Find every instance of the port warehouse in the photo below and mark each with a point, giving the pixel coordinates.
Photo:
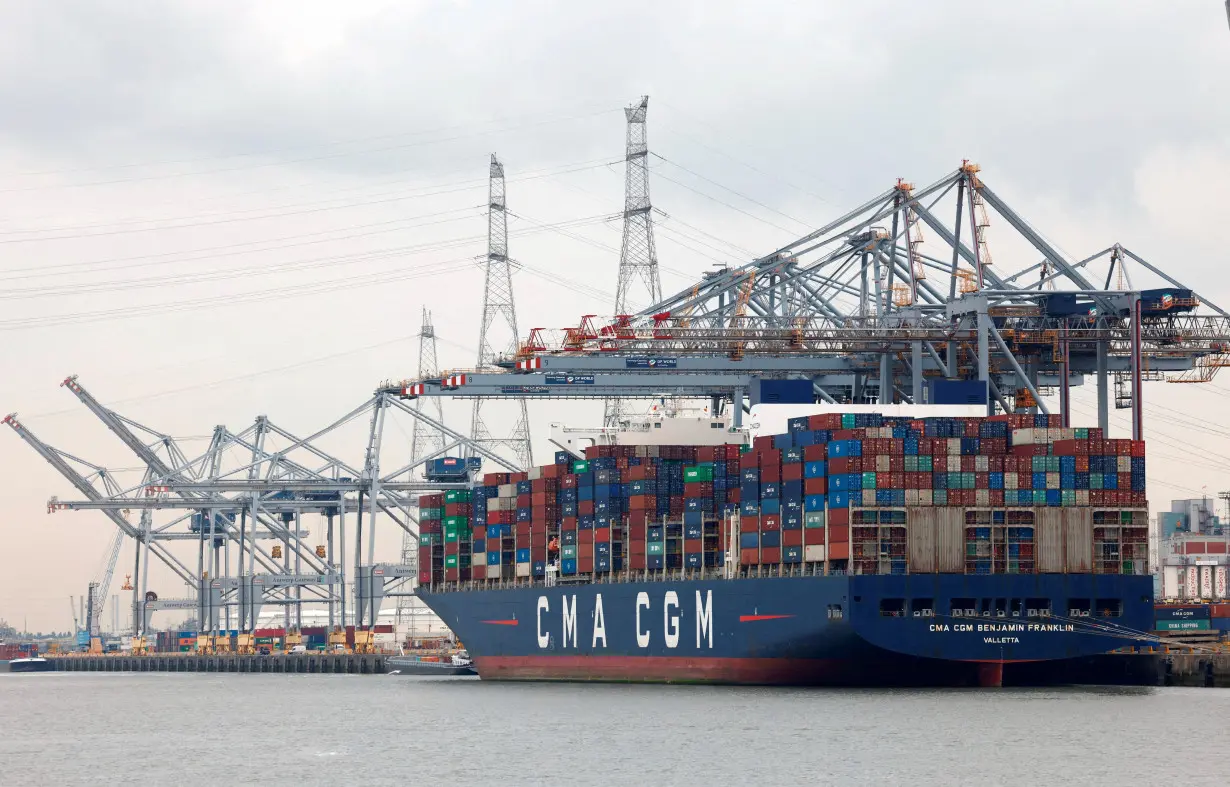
(837, 494)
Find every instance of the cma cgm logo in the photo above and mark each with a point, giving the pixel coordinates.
(647, 622)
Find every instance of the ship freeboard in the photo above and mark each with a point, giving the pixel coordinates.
(802, 566)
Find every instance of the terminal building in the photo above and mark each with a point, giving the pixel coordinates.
(1193, 552)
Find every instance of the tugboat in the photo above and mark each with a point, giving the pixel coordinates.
(458, 663)
(32, 664)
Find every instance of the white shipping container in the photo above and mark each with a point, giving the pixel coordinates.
(523, 569)
(1010, 480)
(1082, 497)
(869, 498)
(882, 463)
(982, 497)
(925, 497)
(813, 553)
(1171, 582)
(479, 559)
(1206, 582)
(982, 464)
(534, 473)
(1219, 583)
(950, 540)
(1048, 532)
(1125, 464)
(1052, 480)
(1191, 590)
(507, 490)
(954, 446)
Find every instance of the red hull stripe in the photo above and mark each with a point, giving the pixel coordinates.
(660, 669)
(501, 622)
(750, 618)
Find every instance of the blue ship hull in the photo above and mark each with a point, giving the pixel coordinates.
(811, 630)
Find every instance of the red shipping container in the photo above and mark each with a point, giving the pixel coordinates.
(1219, 610)
(698, 489)
(814, 486)
(733, 495)
(997, 497)
(839, 516)
(815, 453)
(516, 478)
(763, 443)
(602, 535)
(1139, 499)
(636, 562)
(540, 499)
(813, 536)
(792, 471)
(839, 465)
(793, 538)
(771, 522)
(982, 480)
(452, 548)
(585, 508)
(456, 509)
(525, 500)
(770, 474)
(770, 555)
(839, 533)
(478, 572)
(749, 557)
(586, 550)
(748, 461)
(425, 577)
(493, 479)
(1138, 448)
(568, 482)
(693, 546)
(452, 574)
(1215, 547)
(677, 506)
(522, 529)
(838, 550)
(824, 421)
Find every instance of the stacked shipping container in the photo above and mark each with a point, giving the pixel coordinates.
(857, 493)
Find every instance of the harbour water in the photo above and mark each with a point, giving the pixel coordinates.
(182, 728)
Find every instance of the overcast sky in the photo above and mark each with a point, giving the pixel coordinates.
(211, 211)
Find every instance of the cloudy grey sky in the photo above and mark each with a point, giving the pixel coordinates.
(211, 211)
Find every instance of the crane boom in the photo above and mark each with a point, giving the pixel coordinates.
(104, 584)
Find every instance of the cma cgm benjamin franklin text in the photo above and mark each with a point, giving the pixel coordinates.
(855, 549)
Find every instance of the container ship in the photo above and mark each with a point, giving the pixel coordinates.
(856, 549)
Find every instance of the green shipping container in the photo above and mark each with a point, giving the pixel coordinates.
(569, 551)
(1182, 625)
(939, 497)
(925, 464)
(429, 539)
(1039, 497)
(450, 561)
(869, 480)
(655, 548)
(580, 466)
(457, 496)
(456, 521)
(813, 519)
(431, 513)
(847, 420)
(450, 536)
(699, 473)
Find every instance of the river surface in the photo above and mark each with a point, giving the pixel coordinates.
(161, 729)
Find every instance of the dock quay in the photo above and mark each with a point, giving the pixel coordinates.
(1208, 670)
(307, 663)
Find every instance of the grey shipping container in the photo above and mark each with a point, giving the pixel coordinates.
(1049, 540)
(950, 541)
(921, 527)
(1078, 522)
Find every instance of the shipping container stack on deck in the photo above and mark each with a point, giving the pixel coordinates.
(838, 493)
